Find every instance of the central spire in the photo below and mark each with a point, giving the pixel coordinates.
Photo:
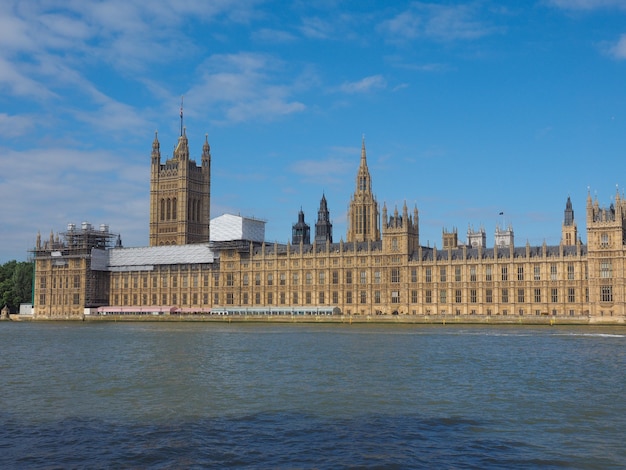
(363, 219)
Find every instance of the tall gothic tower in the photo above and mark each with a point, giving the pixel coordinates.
(180, 195)
(569, 232)
(363, 218)
(323, 226)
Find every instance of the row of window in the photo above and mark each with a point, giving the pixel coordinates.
(293, 298)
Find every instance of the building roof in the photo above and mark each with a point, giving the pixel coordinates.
(145, 258)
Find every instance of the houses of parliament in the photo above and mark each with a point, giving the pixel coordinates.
(195, 266)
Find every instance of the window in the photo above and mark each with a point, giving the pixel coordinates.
(606, 293)
(488, 276)
(473, 296)
(457, 274)
(308, 278)
(363, 296)
(414, 296)
(537, 272)
(348, 297)
(363, 277)
(553, 273)
(335, 277)
(257, 298)
(457, 296)
(282, 279)
(442, 274)
(395, 297)
(174, 281)
(428, 296)
(413, 275)
(489, 296)
(570, 271)
(376, 277)
(257, 279)
(520, 273)
(270, 279)
(376, 296)
(270, 298)
(295, 279)
(321, 298)
(282, 298)
(537, 295)
(230, 279)
(245, 279)
(295, 298)
(604, 240)
(443, 296)
(606, 269)
(473, 274)
(571, 295)
(505, 296)
(335, 297)
(216, 279)
(395, 275)
(429, 275)
(554, 295)
(229, 298)
(505, 273)
(348, 277)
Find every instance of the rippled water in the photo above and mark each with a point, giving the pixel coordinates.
(182, 395)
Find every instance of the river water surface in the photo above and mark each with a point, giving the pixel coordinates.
(189, 395)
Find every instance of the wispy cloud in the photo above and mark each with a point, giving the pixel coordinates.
(15, 125)
(587, 4)
(618, 49)
(437, 22)
(365, 85)
(245, 86)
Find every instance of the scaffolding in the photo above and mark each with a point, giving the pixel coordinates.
(73, 249)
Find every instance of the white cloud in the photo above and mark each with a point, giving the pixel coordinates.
(438, 22)
(618, 50)
(244, 87)
(587, 4)
(15, 125)
(364, 85)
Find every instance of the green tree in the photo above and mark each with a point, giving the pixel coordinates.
(16, 283)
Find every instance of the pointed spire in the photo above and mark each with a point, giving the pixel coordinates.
(206, 150)
(156, 147)
(363, 153)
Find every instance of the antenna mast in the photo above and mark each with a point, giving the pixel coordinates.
(181, 116)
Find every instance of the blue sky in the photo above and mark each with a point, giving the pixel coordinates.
(468, 109)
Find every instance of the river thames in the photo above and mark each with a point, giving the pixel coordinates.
(188, 395)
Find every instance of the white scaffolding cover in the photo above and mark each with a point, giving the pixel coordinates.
(230, 227)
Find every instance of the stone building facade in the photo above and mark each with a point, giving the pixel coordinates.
(381, 268)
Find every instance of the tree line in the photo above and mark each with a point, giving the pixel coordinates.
(16, 284)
